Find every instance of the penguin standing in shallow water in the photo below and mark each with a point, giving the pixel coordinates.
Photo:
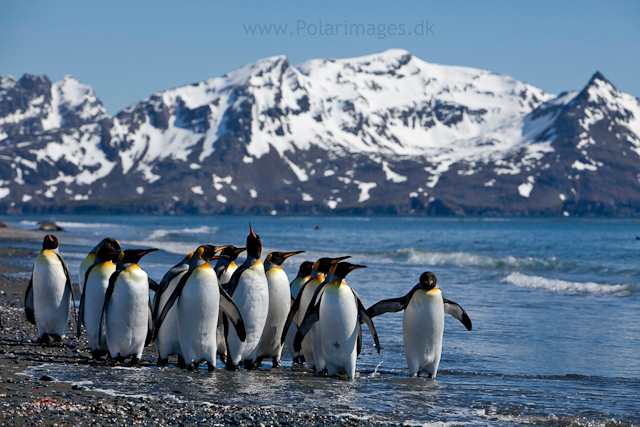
(304, 274)
(167, 339)
(423, 323)
(126, 314)
(279, 306)
(198, 298)
(48, 297)
(339, 311)
(92, 300)
(301, 304)
(249, 290)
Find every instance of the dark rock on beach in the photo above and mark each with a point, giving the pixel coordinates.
(49, 226)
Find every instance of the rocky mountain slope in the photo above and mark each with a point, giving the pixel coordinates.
(380, 134)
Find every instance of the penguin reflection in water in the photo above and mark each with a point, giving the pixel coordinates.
(339, 311)
(126, 315)
(48, 297)
(423, 323)
(198, 297)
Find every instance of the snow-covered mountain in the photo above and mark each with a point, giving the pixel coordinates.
(385, 133)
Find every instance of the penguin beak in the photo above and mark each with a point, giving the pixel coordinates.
(337, 260)
(252, 233)
(356, 266)
(219, 249)
(238, 251)
(143, 252)
(290, 254)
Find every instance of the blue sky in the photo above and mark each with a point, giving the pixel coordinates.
(129, 50)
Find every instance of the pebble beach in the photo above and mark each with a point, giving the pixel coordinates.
(43, 400)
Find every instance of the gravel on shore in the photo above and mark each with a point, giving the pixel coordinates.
(44, 401)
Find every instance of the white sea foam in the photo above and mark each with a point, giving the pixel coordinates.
(537, 282)
(465, 259)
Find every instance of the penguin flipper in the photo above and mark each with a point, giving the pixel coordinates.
(232, 313)
(153, 285)
(292, 313)
(458, 312)
(65, 267)
(107, 297)
(359, 340)
(391, 305)
(311, 318)
(149, 338)
(167, 306)
(366, 319)
(28, 303)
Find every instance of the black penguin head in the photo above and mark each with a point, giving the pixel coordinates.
(231, 252)
(112, 242)
(208, 252)
(277, 258)
(428, 280)
(108, 253)
(254, 245)
(342, 269)
(305, 269)
(132, 256)
(50, 242)
(323, 265)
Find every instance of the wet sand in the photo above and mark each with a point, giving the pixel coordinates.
(41, 400)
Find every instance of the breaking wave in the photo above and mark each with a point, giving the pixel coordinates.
(465, 259)
(200, 232)
(536, 282)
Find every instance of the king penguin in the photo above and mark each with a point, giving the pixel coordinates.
(167, 339)
(48, 297)
(423, 323)
(339, 311)
(90, 259)
(301, 304)
(198, 297)
(92, 300)
(126, 313)
(304, 273)
(279, 306)
(250, 291)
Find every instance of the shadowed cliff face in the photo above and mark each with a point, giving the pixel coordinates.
(381, 134)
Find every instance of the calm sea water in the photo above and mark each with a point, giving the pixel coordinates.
(555, 305)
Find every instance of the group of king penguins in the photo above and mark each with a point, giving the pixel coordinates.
(206, 307)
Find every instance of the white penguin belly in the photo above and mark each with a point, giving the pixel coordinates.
(198, 316)
(252, 299)
(127, 313)
(422, 330)
(51, 296)
(305, 300)
(228, 272)
(95, 290)
(168, 340)
(339, 329)
(293, 329)
(279, 305)
(84, 266)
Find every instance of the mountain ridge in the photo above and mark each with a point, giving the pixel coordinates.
(384, 133)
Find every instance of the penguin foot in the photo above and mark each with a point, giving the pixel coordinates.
(44, 340)
(192, 367)
(181, 362)
(98, 354)
(248, 365)
(257, 363)
(277, 363)
(230, 366)
(210, 367)
(135, 361)
(298, 360)
(223, 358)
(162, 362)
(119, 360)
